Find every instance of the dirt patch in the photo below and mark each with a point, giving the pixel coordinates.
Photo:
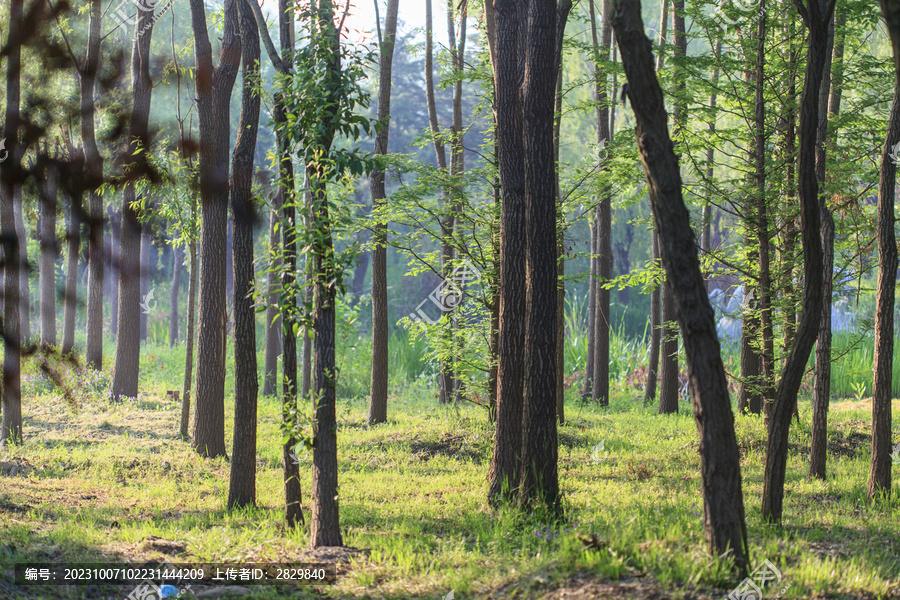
(849, 444)
(17, 467)
(458, 446)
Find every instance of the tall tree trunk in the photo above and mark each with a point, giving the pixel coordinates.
(189, 351)
(560, 236)
(93, 163)
(128, 347)
(70, 298)
(379, 382)
(505, 469)
(656, 295)
(10, 181)
(789, 246)
(242, 484)
(214, 87)
(273, 317)
(706, 217)
(600, 389)
(539, 476)
(49, 252)
(24, 270)
(723, 505)
(816, 15)
(115, 257)
(822, 384)
(146, 243)
(177, 270)
(880, 472)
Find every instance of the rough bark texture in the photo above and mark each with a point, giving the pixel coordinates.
(214, 86)
(816, 16)
(128, 347)
(10, 180)
(539, 478)
(600, 388)
(822, 385)
(380, 333)
(505, 470)
(273, 317)
(880, 472)
(49, 253)
(242, 485)
(177, 271)
(723, 507)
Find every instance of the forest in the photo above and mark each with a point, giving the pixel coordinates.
(469, 299)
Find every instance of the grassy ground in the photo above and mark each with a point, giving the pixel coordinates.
(104, 481)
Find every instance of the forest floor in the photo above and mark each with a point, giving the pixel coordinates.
(102, 481)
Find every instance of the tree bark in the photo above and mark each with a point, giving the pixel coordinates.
(822, 385)
(880, 471)
(816, 15)
(24, 271)
(242, 485)
(505, 469)
(723, 505)
(70, 299)
(189, 351)
(10, 181)
(145, 277)
(115, 256)
(379, 382)
(128, 347)
(214, 87)
(600, 388)
(177, 270)
(49, 252)
(273, 317)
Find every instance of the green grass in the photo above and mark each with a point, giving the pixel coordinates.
(97, 480)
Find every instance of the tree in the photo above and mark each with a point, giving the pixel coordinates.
(144, 271)
(177, 271)
(505, 469)
(600, 384)
(723, 505)
(816, 15)
(213, 90)
(10, 181)
(48, 188)
(379, 382)
(273, 318)
(880, 472)
(242, 486)
(128, 345)
(73, 242)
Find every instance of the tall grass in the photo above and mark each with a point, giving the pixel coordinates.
(854, 360)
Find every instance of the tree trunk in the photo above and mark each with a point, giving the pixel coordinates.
(706, 217)
(880, 472)
(789, 246)
(11, 399)
(128, 347)
(70, 299)
(817, 17)
(723, 504)
(539, 473)
(600, 388)
(822, 385)
(380, 332)
(177, 270)
(145, 279)
(505, 469)
(24, 271)
(115, 257)
(49, 252)
(214, 87)
(189, 352)
(242, 485)
(273, 317)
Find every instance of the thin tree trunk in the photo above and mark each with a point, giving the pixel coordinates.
(49, 253)
(128, 347)
(115, 259)
(177, 270)
(880, 472)
(70, 299)
(822, 384)
(379, 382)
(24, 271)
(723, 505)
(145, 278)
(273, 317)
(242, 483)
(213, 91)
(817, 17)
(191, 319)
(600, 388)
(706, 217)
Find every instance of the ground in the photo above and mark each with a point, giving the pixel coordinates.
(100, 481)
